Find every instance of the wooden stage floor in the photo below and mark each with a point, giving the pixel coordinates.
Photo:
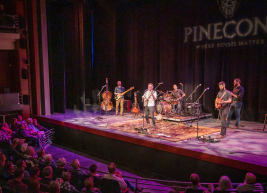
(243, 148)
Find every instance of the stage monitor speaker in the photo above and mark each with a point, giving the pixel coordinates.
(26, 99)
(24, 74)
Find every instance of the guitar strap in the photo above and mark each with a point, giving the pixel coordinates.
(223, 94)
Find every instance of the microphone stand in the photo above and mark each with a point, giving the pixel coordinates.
(144, 107)
(99, 100)
(192, 93)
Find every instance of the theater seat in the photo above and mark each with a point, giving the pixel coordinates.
(111, 186)
(226, 191)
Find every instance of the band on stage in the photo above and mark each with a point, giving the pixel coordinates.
(171, 102)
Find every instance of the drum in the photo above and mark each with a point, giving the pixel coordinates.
(168, 97)
(163, 107)
(174, 101)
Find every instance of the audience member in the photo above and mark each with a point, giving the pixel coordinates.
(61, 162)
(89, 187)
(66, 176)
(19, 144)
(111, 175)
(35, 173)
(76, 167)
(34, 186)
(19, 120)
(22, 165)
(225, 184)
(38, 126)
(129, 184)
(54, 187)
(15, 125)
(249, 184)
(29, 138)
(194, 179)
(48, 174)
(9, 170)
(93, 170)
(17, 184)
(6, 128)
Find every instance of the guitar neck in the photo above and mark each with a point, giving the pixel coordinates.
(126, 91)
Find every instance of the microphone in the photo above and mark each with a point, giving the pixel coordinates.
(104, 86)
(207, 88)
(160, 83)
(199, 85)
(180, 83)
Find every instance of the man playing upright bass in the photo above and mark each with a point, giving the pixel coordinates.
(222, 102)
(118, 90)
(149, 98)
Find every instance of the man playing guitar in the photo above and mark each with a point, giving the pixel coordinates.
(222, 102)
(178, 94)
(236, 105)
(149, 98)
(118, 90)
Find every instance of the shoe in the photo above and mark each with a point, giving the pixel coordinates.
(235, 127)
(121, 114)
(220, 136)
(154, 126)
(116, 114)
(148, 124)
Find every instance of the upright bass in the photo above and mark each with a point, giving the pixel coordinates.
(106, 105)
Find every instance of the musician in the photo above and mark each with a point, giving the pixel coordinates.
(178, 93)
(237, 104)
(118, 90)
(226, 99)
(149, 98)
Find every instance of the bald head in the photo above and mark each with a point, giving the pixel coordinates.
(112, 168)
(194, 178)
(250, 178)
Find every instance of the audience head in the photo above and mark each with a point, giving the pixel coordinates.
(35, 121)
(34, 171)
(250, 178)
(194, 178)
(88, 183)
(48, 171)
(19, 174)
(225, 183)
(15, 121)
(112, 168)
(30, 151)
(21, 164)
(29, 121)
(5, 125)
(9, 167)
(34, 186)
(19, 118)
(40, 153)
(66, 176)
(2, 160)
(54, 187)
(23, 126)
(23, 147)
(20, 142)
(93, 168)
(75, 164)
(47, 158)
(118, 174)
(15, 142)
(61, 162)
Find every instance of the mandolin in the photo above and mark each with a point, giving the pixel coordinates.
(117, 97)
(135, 106)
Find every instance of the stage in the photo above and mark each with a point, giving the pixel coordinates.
(168, 149)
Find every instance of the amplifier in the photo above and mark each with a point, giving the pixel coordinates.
(126, 106)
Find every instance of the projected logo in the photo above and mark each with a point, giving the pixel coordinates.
(228, 7)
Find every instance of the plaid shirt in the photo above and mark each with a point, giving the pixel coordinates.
(68, 187)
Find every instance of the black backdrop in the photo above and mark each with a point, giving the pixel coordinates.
(139, 42)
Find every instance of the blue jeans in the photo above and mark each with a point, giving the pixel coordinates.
(129, 185)
(223, 114)
(235, 107)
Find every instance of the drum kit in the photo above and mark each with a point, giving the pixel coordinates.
(168, 104)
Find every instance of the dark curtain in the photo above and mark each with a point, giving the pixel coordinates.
(151, 48)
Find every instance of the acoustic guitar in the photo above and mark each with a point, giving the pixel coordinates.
(119, 96)
(135, 105)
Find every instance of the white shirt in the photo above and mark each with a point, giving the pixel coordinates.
(123, 185)
(151, 101)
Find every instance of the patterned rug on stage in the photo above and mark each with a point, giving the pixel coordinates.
(164, 130)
